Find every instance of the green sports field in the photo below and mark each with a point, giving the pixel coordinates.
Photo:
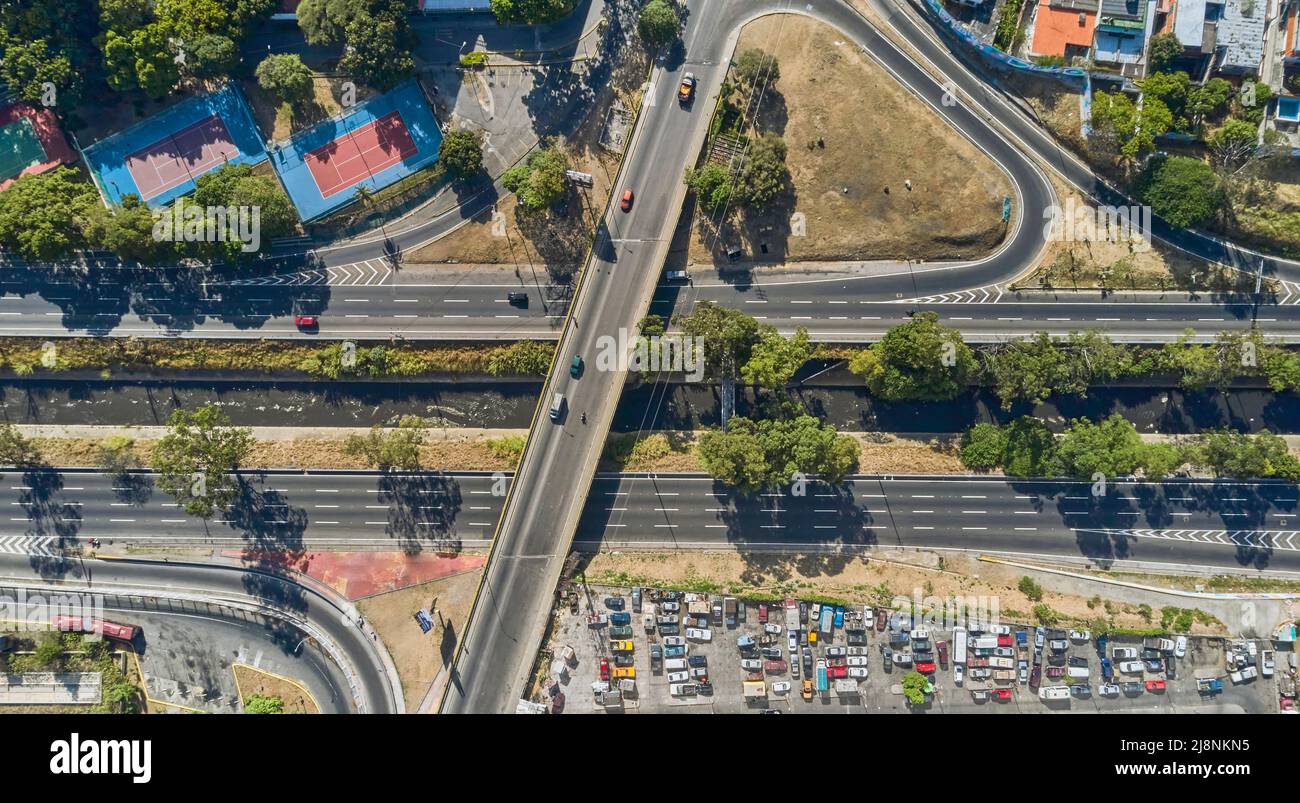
(19, 148)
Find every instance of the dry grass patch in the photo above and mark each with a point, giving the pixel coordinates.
(854, 135)
(282, 120)
(419, 656)
(253, 682)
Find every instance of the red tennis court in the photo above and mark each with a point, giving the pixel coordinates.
(180, 157)
(359, 154)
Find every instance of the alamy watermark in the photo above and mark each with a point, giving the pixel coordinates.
(192, 223)
(929, 612)
(36, 612)
(651, 353)
(1077, 222)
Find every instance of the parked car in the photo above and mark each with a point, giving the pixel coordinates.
(1058, 645)
(807, 691)
(903, 659)
(887, 657)
(1154, 665)
(1180, 646)
(604, 669)
(771, 627)
(1038, 637)
(771, 653)
(925, 667)
(674, 652)
(621, 646)
(1125, 653)
(614, 603)
(1023, 671)
(1055, 671)
(751, 664)
(1078, 660)
(1004, 652)
(807, 659)
(1155, 685)
(698, 634)
(839, 616)
(1000, 630)
(1035, 675)
(1080, 635)
(782, 687)
(1081, 691)
(621, 632)
(1107, 669)
(1108, 690)
(669, 630)
(979, 695)
(670, 607)
(958, 673)
(620, 618)
(979, 673)
(836, 652)
(697, 660)
(1001, 695)
(942, 647)
(1132, 688)
(682, 689)
(857, 660)
(881, 618)
(1130, 667)
(674, 641)
(1266, 663)
(793, 642)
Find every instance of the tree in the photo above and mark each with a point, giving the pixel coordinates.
(1115, 114)
(1182, 190)
(389, 449)
(285, 76)
(1030, 369)
(728, 335)
(735, 458)
(712, 187)
(260, 704)
(1209, 100)
(1234, 144)
(127, 230)
(378, 49)
(919, 360)
(764, 175)
(657, 24)
(211, 56)
(1030, 588)
(915, 686)
(983, 446)
(1111, 448)
(323, 22)
(237, 185)
(754, 68)
(461, 153)
(540, 180)
(41, 215)
(116, 455)
(1235, 454)
(194, 458)
(27, 66)
(1031, 449)
(1163, 50)
(1171, 89)
(774, 359)
(529, 11)
(17, 450)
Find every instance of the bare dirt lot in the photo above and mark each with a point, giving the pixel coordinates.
(278, 120)
(847, 579)
(254, 682)
(420, 656)
(854, 136)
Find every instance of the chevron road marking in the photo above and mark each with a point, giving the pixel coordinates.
(1266, 539)
(28, 545)
(1290, 293)
(370, 273)
(989, 294)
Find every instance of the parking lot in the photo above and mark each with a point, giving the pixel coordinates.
(856, 644)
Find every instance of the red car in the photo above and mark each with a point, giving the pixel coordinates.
(762, 613)
(1005, 641)
(942, 646)
(604, 669)
(881, 619)
(1056, 671)
(304, 316)
(834, 672)
(925, 667)
(1155, 685)
(1001, 695)
(626, 203)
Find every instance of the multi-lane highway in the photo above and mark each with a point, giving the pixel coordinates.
(1226, 524)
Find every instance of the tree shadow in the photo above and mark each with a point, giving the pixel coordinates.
(422, 510)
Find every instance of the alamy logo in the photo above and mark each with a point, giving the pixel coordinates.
(192, 223)
(1082, 223)
(75, 756)
(683, 353)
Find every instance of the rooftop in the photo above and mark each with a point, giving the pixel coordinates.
(1241, 35)
(1056, 27)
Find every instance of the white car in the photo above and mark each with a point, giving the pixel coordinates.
(678, 677)
(771, 627)
(1180, 646)
(836, 652)
(751, 665)
(1266, 664)
(1004, 652)
(674, 641)
(794, 642)
(698, 634)
(669, 606)
(782, 687)
(902, 659)
(681, 689)
(1080, 635)
(958, 673)
(858, 672)
(1125, 653)
(1108, 690)
(1000, 630)
(857, 660)
(1130, 667)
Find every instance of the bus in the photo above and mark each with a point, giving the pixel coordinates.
(86, 624)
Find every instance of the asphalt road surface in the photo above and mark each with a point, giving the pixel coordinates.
(140, 581)
(1226, 524)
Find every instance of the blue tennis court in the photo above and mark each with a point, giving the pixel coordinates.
(373, 145)
(159, 158)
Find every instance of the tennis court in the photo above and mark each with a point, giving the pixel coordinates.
(30, 142)
(372, 145)
(181, 157)
(161, 157)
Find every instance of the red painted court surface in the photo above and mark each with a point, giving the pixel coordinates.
(361, 574)
(175, 159)
(359, 154)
